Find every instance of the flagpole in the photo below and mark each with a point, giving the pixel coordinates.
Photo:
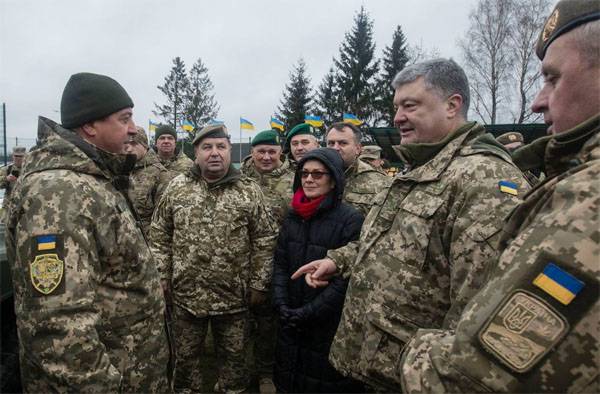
(240, 142)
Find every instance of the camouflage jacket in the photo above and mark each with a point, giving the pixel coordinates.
(213, 241)
(363, 182)
(178, 164)
(147, 182)
(5, 184)
(423, 250)
(276, 186)
(521, 333)
(87, 294)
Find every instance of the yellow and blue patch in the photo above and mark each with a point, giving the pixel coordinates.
(46, 242)
(508, 187)
(558, 283)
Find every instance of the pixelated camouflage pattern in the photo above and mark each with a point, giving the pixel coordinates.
(178, 164)
(230, 337)
(104, 332)
(276, 186)
(213, 241)
(5, 184)
(423, 252)
(558, 221)
(363, 182)
(147, 182)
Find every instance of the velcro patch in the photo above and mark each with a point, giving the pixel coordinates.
(47, 268)
(522, 330)
(508, 187)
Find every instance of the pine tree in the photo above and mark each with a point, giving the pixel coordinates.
(297, 101)
(174, 88)
(358, 69)
(395, 58)
(200, 103)
(328, 105)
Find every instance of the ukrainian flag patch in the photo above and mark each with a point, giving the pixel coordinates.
(508, 187)
(558, 283)
(46, 242)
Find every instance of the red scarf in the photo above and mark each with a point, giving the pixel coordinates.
(304, 206)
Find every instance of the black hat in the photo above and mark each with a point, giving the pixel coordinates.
(164, 129)
(567, 15)
(330, 159)
(88, 97)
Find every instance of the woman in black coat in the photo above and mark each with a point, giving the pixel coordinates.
(318, 221)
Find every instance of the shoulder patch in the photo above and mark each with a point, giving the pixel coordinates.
(522, 330)
(46, 267)
(508, 187)
(558, 283)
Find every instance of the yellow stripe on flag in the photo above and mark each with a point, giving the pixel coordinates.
(508, 190)
(46, 245)
(557, 291)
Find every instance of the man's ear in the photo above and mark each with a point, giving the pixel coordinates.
(454, 105)
(89, 130)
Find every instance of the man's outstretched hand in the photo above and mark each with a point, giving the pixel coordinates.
(317, 273)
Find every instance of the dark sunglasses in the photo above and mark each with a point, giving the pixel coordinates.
(315, 174)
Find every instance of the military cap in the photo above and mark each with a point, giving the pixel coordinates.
(213, 131)
(302, 128)
(19, 151)
(140, 137)
(567, 15)
(88, 97)
(266, 137)
(509, 138)
(165, 129)
(371, 152)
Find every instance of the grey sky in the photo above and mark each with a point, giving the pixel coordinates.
(248, 46)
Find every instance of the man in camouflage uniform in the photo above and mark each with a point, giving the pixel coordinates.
(534, 326)
(176, 163)
(147, 180)
(300, 140)
(363, 182)
(213, 237)
(87, 294)
(10, 173)
(371, 154)
(431, 236)
(268, 167)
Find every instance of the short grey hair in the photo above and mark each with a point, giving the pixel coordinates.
(444, 76)
(586, 38)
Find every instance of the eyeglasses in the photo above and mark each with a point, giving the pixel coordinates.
(316, 175)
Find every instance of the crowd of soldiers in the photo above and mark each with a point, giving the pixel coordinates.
(476, 268)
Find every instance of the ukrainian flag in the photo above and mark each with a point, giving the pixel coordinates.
(558, 283)
(187, 125)
(277, 124)
(508, 187)
(215, 122)
(351, 118)
(246, 124)
(46, 242)
(152, 126)
(314, 121)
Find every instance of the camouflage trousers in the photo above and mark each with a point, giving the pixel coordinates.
(230, 335)
(263, 335)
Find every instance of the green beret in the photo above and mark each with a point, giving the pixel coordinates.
(88, 97)
(302, 128)
(164, 129)
(213, 131)
(19, 151)
(266, 137)
(509, 138)
(140, 137)
(567, 15)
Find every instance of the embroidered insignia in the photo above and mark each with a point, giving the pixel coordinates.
(46, 272)
(558, 283)
(512, 137)
(550, 26)
(508, 187)
(522, 330)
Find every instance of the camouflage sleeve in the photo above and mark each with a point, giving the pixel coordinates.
(263, 233)
(3, 175)
(161, 185)
(161, 235)
(58, 317)
(475, 221)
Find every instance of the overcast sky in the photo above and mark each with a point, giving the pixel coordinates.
(248, 46)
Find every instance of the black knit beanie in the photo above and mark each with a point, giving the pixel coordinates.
(164, 129)
(88, 97)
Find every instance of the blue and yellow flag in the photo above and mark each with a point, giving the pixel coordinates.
(351, 118)
(314, 121)
(277, 124)
(558, 283)
(46, 242)
(215, 122)
(508, 187)
(187, 126)
(246, 124)
(152, 126)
